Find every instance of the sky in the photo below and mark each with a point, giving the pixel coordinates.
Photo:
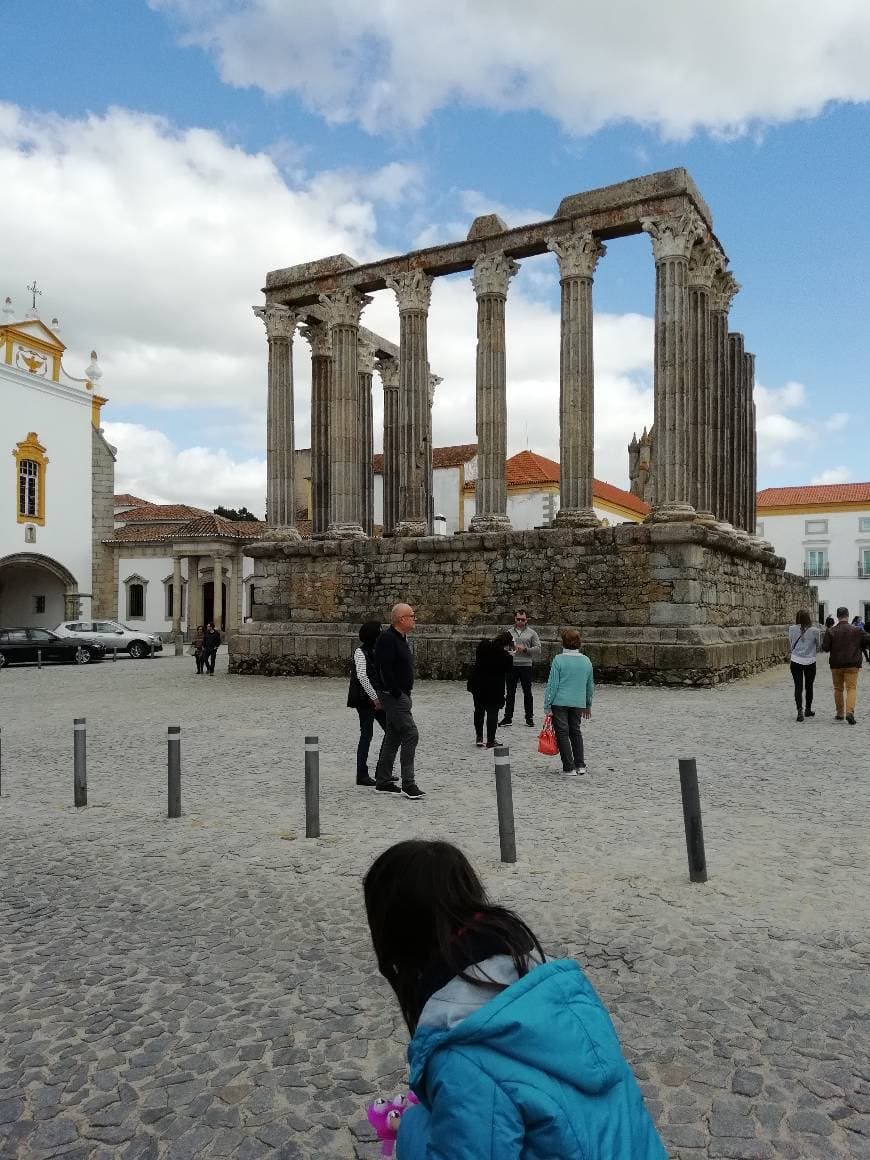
(158, 157)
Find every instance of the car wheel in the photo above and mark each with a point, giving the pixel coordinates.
(137, 649)
(83, 655)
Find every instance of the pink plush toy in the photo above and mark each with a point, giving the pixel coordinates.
(385, 1117)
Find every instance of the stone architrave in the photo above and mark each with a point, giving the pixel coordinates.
(725, 287)
(280, 325)
(413, 292)
(319, 337)
(578, 255)
(736, 418)
(492, 273)
(388, 369)
(750, 492)
(343, 309)
(705, 261)
(672, 242)
(365, 371)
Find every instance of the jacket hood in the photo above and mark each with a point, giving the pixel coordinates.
(551, 1019)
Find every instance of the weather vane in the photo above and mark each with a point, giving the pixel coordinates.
(33, 290)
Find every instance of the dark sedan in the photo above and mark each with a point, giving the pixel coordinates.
(30, 645)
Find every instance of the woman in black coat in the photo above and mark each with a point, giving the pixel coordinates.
(487, 684)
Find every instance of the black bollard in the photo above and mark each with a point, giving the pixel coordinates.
(692, 820)
(312, 787)
(39, 658)
(114, 654)
(505, 801)
(80, 762)
(173, 738)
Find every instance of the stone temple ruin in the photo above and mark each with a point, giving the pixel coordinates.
(690, 596)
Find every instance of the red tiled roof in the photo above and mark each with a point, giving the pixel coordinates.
(131, 501)
(143, 533)
(528, 468)
(822, 494)
(607, 493)
(206, 526)
(161, 512)
(453, 456)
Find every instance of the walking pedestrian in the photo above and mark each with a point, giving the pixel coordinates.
(512, 1054)
(492, 663)
(196, 648)
(363, 697)
(569, 697)
(394, 680)
(211, 641)
(845, 643)
(527, 650)
(803, 640)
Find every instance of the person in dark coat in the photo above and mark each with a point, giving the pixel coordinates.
(492, 663)
(210, 644)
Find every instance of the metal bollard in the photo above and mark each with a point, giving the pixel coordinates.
(151, 649)
(505, 800)
(80, 762)
(114, 653)
(312, 787)
(39, 658)
(692, 820)
(173, 739)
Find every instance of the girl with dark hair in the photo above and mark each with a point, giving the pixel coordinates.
(363, 697)
(512, 1055)
(492, 663)
(803, 643)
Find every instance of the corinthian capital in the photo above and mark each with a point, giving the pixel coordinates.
(705, 262)
(365, 358)
(577, 254)
(280, 321)
(413, 290)
(319, 335)
(492, 272)
(725, 286)
(388, 369)
(434, 380)
(343, 307)
(673, 237)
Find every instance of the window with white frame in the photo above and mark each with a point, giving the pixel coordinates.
(28, 488)
(816, 527)
(136, 587)
(864, 562)
(864, 523)
(816, 562)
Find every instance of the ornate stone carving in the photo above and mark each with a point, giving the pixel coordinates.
(388, 369)
(280, 321)
(434, 380)
(725, 286)
(492, 272)
(344, 307)
(673, 237)
(705, 262)
(577, 254)
(319, 335)
(413, 290)
(365, 358)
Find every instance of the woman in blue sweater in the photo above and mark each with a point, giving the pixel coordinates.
(512, 1055)
(568, 697)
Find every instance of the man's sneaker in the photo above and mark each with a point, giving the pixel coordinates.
(493, 744)
(368, 781)
(479, 743)
(800, 715)
(389, 787)
(530, 723)
(580, 769)
(505, 724)
(809, 712)
(413, 791)
(850, 717)
(569, 772)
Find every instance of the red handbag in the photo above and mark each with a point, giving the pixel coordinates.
(547, 743)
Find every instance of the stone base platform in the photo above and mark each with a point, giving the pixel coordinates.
(683, 604)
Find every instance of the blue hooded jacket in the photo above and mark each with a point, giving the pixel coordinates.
(535, 1072)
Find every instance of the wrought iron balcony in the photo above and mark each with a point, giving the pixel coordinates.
(816, 571)
(863, 571)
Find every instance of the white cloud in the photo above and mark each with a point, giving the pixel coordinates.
(833, 475)
(671, 66)
(839, 421)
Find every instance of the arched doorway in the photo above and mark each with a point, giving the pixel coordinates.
(36, 591)
(208, 608)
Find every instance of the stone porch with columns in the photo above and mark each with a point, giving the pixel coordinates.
(692, 596)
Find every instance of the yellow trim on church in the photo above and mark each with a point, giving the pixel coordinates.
(31, 450)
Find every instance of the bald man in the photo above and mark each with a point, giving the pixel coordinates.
(394, 680)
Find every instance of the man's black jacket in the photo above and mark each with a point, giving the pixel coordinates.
(394, 664)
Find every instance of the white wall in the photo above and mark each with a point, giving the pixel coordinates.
(843, 543)
(155, 570)
(445, 486)
(526, 510)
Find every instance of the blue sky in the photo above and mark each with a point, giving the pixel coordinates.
(163, 156)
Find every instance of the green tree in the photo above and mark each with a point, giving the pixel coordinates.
(241, 513)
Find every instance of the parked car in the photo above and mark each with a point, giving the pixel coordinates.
(26, 645)
(111, 634)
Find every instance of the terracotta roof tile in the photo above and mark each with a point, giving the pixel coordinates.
(206, 526)
(453, 456)
(817, 493)
(165, 512)
(131, 501)
(527, 468)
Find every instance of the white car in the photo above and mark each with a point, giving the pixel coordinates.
(113, 635)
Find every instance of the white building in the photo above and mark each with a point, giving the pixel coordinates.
(57, 477)
(823, 530)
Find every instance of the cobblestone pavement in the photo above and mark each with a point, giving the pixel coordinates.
(205, 987)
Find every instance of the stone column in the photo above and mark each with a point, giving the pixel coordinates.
(578, 255)
(343, 309)
(736, 413)
(365, 370)
(434, 380)
(176, 606)
(413, 292)
(320, 339)
(280, 461)
(217, 586)
(492, 272)
(672, 241)
(234, 593)
(194, 596)
(724, 288)
(388, 369)
(751, 453)
(704, 262)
